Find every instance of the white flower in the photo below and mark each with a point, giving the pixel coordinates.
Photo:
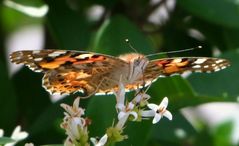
(68, 142)
(17, 135)
(75, 110)
(124, 113)
(74, 124)
(101, 142)
(124, 110)
(158, 111)
(120, 94)
(141, 98)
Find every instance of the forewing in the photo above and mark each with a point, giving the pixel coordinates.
(69, 71)
(171, 66)
(45, 60)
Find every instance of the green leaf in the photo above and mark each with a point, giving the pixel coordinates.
(179, 130)
(110, 38)
(223, 133)
(204, 137)
(12, 20)
(105, 3)
(222, 12)
(101, 110)
(5, 140)
(69, 28)
(230, 37)
(223, 83)
(32, 97)
(8, 106)
(50, 119)
(223, 38)
(35, 3)
(179, 92)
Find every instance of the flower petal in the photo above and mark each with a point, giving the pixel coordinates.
(153, 107)
(138, 98)
(148, 113)
(103, 140)
(120, 106)
(121, 115)
(130, 106)
(18, 135)
(73, 127)
(93, 140)
(76, 102)
(156, 119)
(135, 115)
(164, 102)
(120, 94)
(68, 142)
(122, 120)
(168, 115)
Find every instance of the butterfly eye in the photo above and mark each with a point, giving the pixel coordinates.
(137, 61)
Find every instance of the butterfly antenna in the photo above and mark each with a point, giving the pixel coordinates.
(177, 51)
(128, 42)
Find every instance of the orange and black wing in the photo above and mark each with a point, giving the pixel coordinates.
(170, 66)
(68, 71)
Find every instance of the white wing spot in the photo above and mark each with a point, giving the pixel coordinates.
(213, 65)
(219, 61)
(177, 60)
(206, 66)
(38, 59)
(83, 56)
(56, 53)
(196, 66)
(35, 51)
(223, 67)
(198, 71)
(217, 69)
(200, 61)
(53, 54)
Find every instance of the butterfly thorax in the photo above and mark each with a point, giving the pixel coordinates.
(137, 64)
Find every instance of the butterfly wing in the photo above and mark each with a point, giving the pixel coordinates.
(170, 66)
(44, 60)
(69, 71)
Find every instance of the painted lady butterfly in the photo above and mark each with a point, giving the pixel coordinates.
(67, 72)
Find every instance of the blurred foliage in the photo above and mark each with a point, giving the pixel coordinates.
(69, 25)
(5, 140)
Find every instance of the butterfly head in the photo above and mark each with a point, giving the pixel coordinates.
(132, 57)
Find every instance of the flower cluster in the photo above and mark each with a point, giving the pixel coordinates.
(76, 126)
(17, 135)
(135, 108)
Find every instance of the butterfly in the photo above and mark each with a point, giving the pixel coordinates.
(90, 73)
